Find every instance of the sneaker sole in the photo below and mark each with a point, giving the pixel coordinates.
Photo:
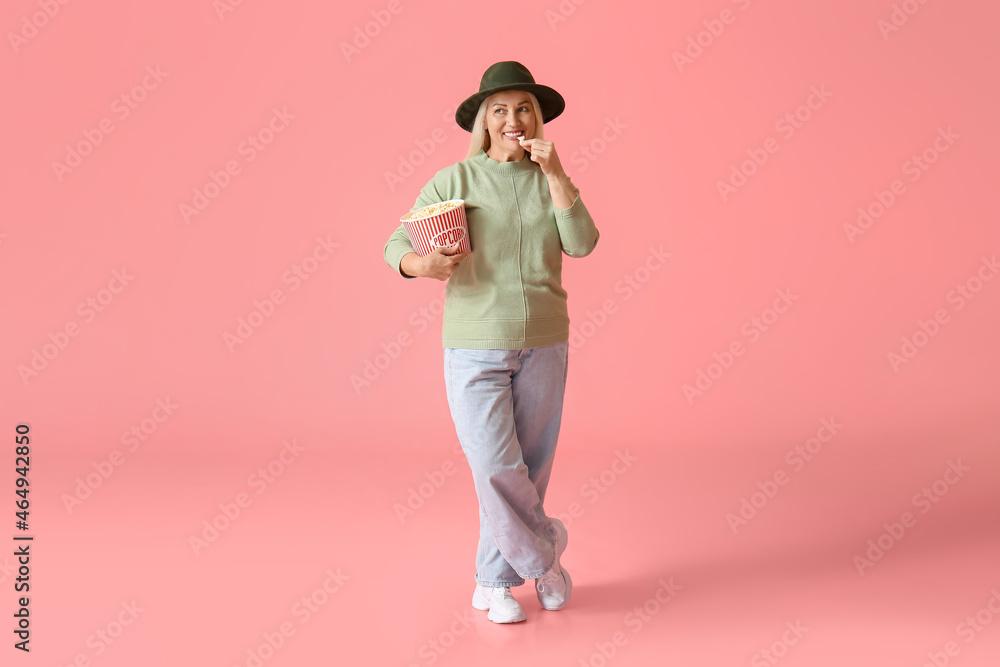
(496, 618)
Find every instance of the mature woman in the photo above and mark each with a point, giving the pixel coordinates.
(505, 327)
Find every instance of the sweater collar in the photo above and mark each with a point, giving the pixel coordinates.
(523, 165)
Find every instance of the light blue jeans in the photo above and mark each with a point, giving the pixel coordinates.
(507, 407)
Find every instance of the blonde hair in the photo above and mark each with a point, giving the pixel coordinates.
(480, 135)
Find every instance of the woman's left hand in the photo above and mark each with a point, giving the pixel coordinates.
(544, 153)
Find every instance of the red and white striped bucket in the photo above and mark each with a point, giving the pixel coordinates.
(438, 225)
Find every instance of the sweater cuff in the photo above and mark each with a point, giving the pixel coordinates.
(577, 232)
(394, 258)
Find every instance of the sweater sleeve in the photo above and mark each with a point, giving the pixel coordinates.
(577, 232)
(399, 243)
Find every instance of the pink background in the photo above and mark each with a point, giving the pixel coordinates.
(661, 137)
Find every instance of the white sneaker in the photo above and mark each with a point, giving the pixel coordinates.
(501, 604)
(554, 587)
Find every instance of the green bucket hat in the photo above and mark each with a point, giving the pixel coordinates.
(509, 75)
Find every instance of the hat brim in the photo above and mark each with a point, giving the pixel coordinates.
(551, 102)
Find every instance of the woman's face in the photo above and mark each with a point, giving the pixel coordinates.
(509, 113)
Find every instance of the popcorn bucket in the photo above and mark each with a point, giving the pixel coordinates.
(438, 226)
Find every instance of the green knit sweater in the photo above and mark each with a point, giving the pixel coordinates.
(507, 294)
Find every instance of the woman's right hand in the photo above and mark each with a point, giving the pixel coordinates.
(439, 264)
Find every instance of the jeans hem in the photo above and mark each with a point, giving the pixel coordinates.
(543, 572)
(555, 551)
(499, 584)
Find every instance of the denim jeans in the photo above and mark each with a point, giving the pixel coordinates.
(507, 408)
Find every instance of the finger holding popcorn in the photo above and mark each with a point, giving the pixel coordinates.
(544, 153)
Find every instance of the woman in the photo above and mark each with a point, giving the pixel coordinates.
(505, 327)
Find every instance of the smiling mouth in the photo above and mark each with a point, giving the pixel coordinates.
(514, 136)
